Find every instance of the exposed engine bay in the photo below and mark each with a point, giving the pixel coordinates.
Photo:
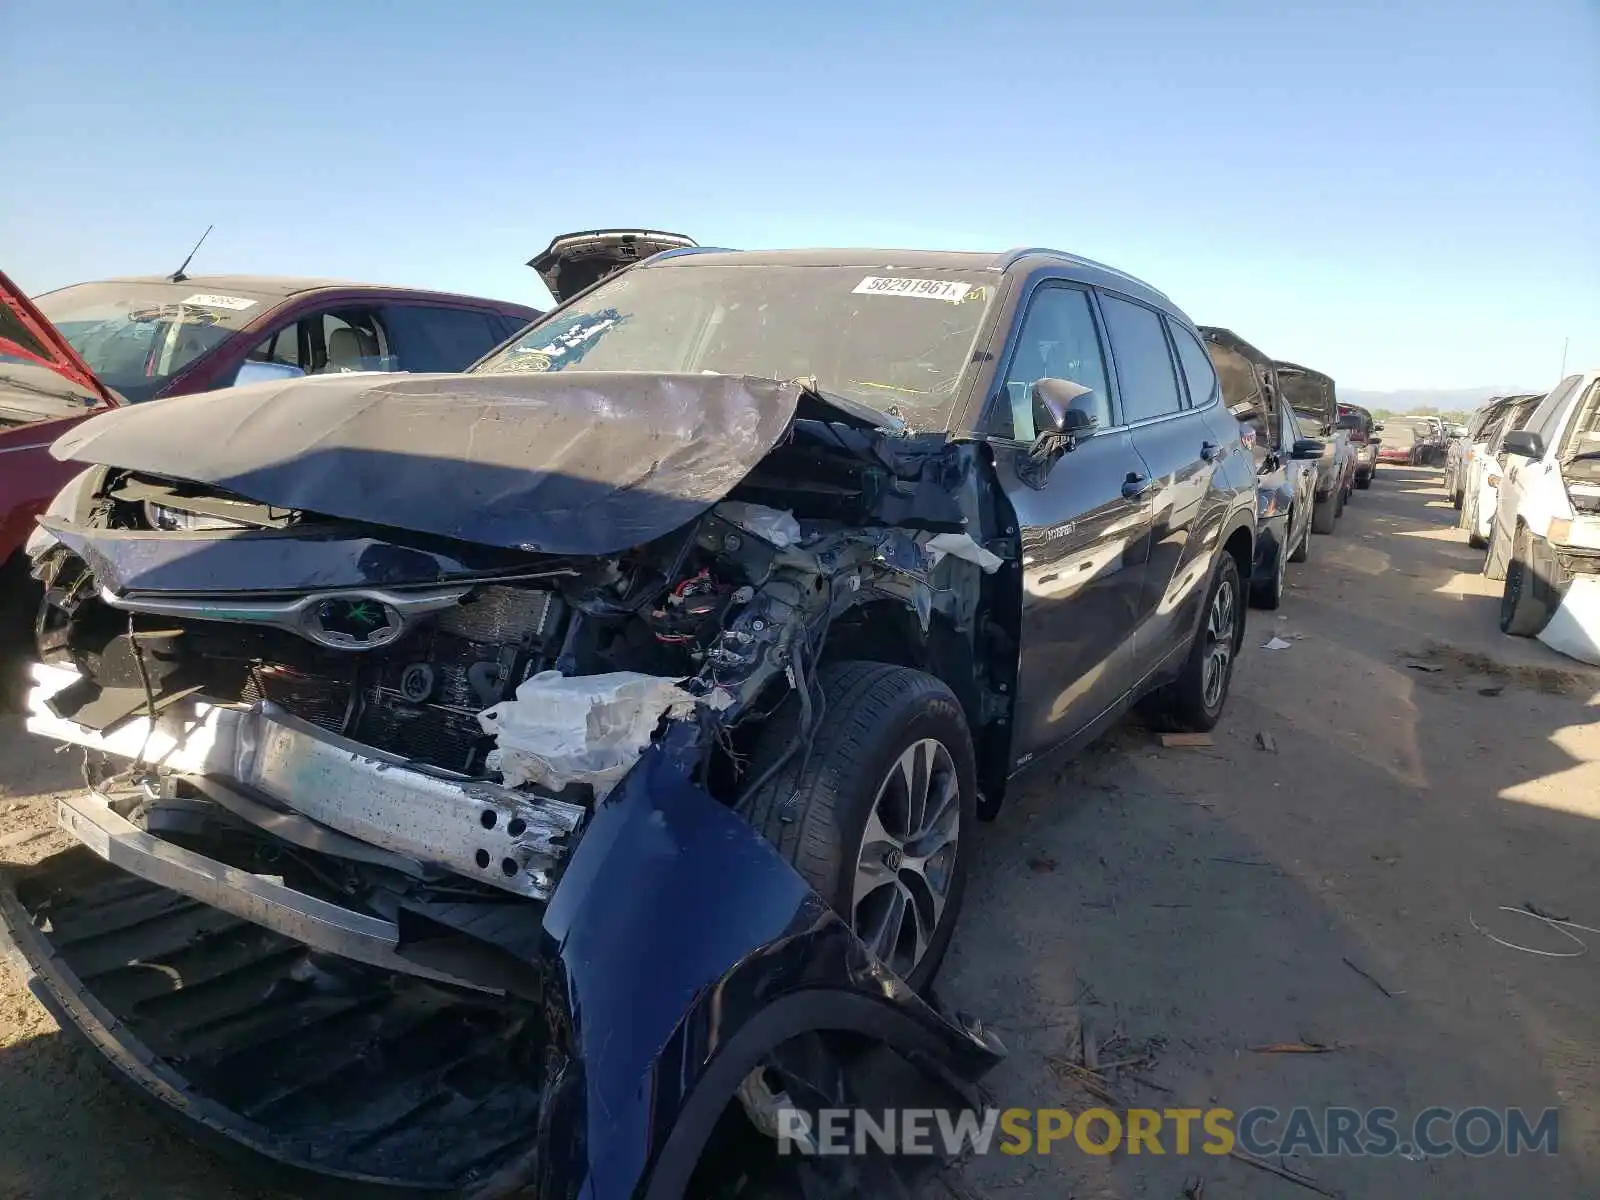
(736, 608)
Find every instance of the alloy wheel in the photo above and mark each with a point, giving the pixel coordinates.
(1220, 633)
(906, 865)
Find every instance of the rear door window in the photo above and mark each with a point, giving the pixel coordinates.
(436, 338)
(1146, 378)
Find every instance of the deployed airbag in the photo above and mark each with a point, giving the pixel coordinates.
(590, 463)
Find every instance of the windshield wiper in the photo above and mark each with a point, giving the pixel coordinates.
(68, 393)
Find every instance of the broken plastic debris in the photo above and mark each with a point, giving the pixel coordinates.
(771, 524)
(1277, 643)
(585, 729)
(962, 546)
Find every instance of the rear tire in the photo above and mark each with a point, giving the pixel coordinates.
(1364, 481)
(1323, 514)
(1194, 701)
(1524, 603)
(1457, 499)
(847, 815)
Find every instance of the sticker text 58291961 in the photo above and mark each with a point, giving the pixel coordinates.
(208, 300)
(925, 289)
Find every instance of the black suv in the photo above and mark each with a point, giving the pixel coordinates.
(662, 662)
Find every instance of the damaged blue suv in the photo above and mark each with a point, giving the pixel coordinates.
(532, 781)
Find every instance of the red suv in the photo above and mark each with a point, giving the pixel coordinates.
(76, 351)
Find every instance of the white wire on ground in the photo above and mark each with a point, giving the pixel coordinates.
(1558, 924)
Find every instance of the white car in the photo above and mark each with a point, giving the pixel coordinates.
(1545, 542)
(1482, 460)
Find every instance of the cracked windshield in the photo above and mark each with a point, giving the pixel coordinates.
(136, 336)
(892, 340)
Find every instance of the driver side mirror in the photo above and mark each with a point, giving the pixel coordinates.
(1063, 415)
(1524, 443)
(253, 371)
(1378, 428)
(1307, 448)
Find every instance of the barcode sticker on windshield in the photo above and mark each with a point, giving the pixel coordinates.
(206, 300)
(926, 289)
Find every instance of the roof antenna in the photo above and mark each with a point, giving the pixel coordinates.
(178, 276)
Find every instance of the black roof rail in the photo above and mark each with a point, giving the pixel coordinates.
(1011, 258)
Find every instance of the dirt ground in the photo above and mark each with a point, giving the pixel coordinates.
(1186, 905)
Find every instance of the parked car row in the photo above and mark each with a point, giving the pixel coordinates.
(1529, 492)
(1308, 451)
(650, 674)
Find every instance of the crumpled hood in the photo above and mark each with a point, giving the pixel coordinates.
(587, 463)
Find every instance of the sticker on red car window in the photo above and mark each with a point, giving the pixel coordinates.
(925, 289)
(207, 300)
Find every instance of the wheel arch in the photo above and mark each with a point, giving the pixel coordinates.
(886, 631)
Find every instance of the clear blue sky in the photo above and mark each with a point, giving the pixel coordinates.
(1402, 193)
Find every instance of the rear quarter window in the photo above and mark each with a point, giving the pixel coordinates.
(1198, 372)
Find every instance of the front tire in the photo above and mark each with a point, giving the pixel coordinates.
(1302, 551)
(1323, 514)
(19, 605)
(874, 815)
(1492, 567)
(1268, 593)
(1524, 603)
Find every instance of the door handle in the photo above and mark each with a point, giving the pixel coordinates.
(1137, 487)
(1210, 451)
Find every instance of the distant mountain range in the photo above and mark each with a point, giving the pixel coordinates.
(1442, 399)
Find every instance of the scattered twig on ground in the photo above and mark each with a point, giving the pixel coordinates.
(1430, 668)
(1042, 864)
(1194, 1188)
(958, 1189)
(1265, 741)
(1148, 1082)
(1374, 981)
(1172, 740)
(1493, 689)
(1295, 1048)
(1243, 862)
(1090, 1081)
(1304, 1181)
(1091, 1055)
